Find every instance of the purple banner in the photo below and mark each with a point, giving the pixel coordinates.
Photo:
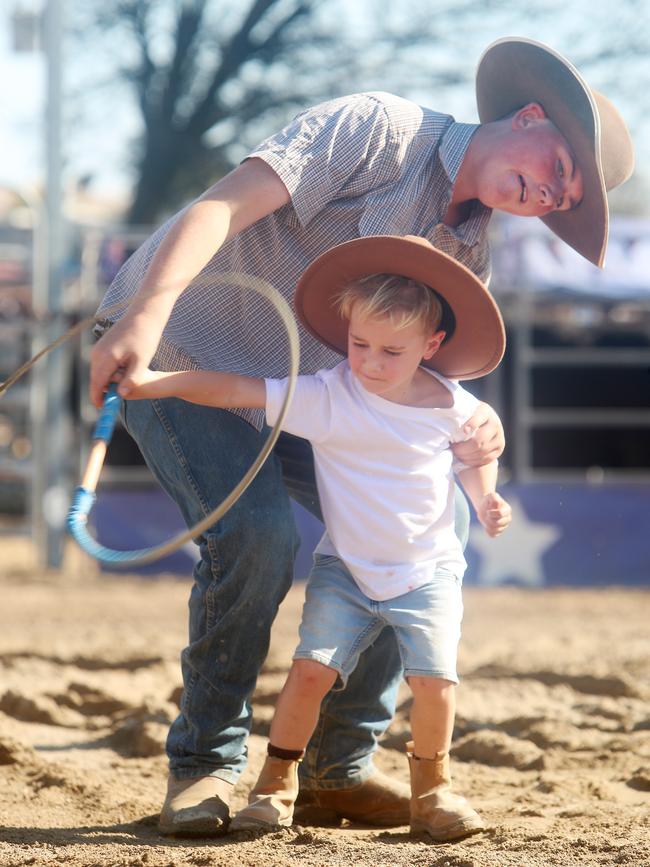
(562, 534)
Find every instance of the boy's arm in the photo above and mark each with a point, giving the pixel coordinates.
(491, 509)
(479, 481)
(205, 387)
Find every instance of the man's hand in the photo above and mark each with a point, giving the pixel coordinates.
(487, 440)
(123, 353)
(494, 513)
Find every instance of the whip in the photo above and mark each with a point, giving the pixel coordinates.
(85, 496)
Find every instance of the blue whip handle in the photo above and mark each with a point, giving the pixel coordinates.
(108, 415)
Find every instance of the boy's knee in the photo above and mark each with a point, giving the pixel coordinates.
(312, 677)
(434, 686)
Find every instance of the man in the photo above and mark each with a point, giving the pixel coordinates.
(369, 164)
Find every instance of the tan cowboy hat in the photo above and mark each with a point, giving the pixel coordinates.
(475, 339)
(515, 71)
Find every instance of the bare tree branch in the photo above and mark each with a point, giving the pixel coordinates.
(188, 28)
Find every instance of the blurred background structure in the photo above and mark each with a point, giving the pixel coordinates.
(116, 113)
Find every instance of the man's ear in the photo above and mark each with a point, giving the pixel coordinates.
(433, 344)
(527, 115)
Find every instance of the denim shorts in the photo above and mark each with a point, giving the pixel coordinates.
(339, 622)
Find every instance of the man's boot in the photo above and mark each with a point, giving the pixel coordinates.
(198, 807)
(270, 804)
(435, 809)
(379, 800)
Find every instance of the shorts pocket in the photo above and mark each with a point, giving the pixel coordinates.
(325, 559)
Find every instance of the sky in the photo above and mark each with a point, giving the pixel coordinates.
(99, 146)
(21, 107)
(23, 125)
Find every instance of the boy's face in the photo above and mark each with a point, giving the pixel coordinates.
(384, 358)
(533, 171)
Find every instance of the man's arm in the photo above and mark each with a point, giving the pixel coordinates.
(487, 439)
(252, 191)
(205, 387)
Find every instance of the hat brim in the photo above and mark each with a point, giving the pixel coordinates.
(515, 71)
(476, 336)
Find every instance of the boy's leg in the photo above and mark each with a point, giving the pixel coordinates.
(337, 623)
(298, 706)
(435, 809)
(198, 454)
(272, 798)
(432, 715)
(427, 623)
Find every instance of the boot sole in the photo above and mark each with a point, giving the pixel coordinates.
(259, 827)
(194, 828)
(452, 832)
(312, 815)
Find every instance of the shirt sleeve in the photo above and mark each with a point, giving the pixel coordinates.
(345, 147)
(309, 414)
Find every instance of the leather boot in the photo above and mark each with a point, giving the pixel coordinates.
(435, 809)
(197, 807)
(270, 804)
(379, 800)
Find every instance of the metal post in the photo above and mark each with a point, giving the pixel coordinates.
(50, 392)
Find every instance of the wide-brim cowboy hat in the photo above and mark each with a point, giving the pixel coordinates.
(475, 339)
(515, 71)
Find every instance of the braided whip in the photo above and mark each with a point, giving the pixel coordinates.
(84, 496)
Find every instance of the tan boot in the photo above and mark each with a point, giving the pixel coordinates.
(379, 800)
(270, 804)
(197, 807)
(435, 809)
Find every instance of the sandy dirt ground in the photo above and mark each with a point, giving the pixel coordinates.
(552, 741)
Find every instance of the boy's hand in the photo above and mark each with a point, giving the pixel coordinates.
(141, 384)
(494, 513)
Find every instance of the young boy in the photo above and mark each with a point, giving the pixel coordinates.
(380, 423)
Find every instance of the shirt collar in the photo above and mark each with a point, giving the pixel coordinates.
(453, 148)
(455, 141)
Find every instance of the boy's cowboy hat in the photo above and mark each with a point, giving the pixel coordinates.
(515, 71)
(475, 339)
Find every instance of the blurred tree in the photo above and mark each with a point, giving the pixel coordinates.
(201, 71)
(208, 76)
(217, 76)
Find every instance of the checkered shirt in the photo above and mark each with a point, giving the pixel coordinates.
(361, 165)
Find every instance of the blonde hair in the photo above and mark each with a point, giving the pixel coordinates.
(402, 300)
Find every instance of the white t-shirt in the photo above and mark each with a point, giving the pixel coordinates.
(385, 476)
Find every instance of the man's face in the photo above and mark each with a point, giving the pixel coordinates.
(533, 171)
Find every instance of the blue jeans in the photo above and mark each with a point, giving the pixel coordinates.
(198, 454)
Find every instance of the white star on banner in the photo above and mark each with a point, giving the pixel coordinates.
(516, 555)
